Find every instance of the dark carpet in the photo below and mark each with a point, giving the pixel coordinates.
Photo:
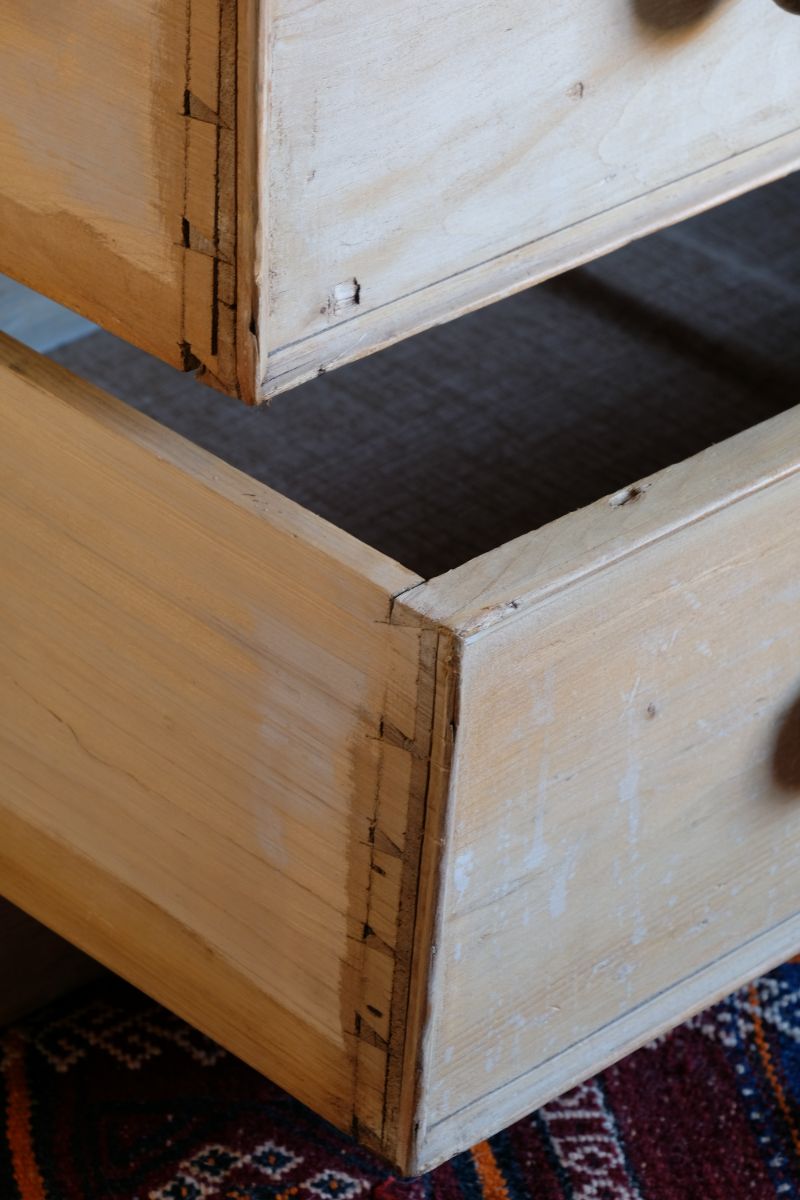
(106, 1096)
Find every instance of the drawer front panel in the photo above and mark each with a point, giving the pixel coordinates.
(265, 189)
(412, 146)
(624, 840)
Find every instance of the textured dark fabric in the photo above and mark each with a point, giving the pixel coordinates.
(461, 438)
(106, 1096)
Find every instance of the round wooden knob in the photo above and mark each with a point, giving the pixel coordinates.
(791, 6)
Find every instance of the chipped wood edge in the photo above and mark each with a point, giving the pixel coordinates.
(419, 876)
(390, 1040)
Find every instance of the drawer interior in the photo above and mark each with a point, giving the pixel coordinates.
(473, 433)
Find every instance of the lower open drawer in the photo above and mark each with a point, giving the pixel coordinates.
(426, 853)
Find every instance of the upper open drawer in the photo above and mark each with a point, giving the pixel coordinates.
(265, 189)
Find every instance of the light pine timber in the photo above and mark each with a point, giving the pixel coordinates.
(622, 824)
(118, 192)
(266, 189)
(210, 740)
(425, 853)
(36, 966)
(443, 156)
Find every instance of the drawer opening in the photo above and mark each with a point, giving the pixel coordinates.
(462, 438)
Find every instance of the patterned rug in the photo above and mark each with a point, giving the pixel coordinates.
(107, 1096)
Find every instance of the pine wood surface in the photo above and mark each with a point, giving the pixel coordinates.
(118, 195)
(265, 189)
(442, 158)
(401, 845)
(622, 821)
(209, 740)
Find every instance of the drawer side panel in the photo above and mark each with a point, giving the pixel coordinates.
(195, 680)
(118, 190)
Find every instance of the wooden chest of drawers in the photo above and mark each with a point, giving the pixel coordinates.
(425, 852)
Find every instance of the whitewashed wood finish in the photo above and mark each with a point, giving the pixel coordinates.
(622, 840)
(529, 264)
(444, 155)
(209, 740)
(36, 965)
(265, 189)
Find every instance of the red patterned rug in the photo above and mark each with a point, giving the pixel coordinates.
(106, 1096)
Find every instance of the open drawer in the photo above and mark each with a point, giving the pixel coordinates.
(265, 189)
(425, 853)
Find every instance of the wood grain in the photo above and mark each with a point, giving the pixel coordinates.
(511, 578)
(91, 139)
(118, 189)
(622, 839)
(266, 189)
(209, 744)
(445, 157)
